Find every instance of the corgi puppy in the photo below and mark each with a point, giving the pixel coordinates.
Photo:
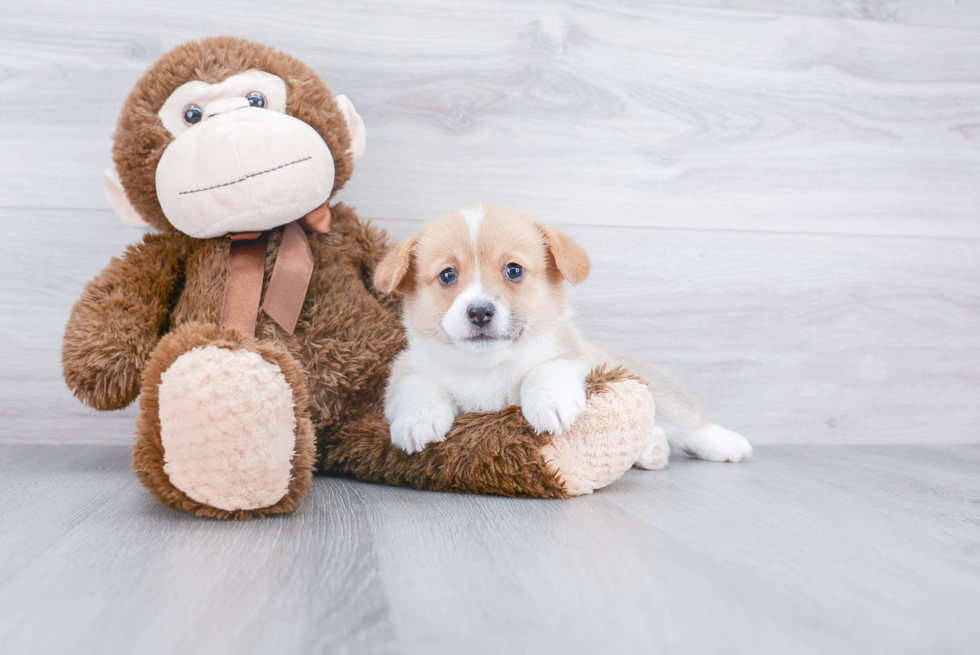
(488, 327)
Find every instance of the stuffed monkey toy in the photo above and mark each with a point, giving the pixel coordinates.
(248, 325)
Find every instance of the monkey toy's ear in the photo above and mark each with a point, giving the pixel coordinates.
(116, 196)
(355, 125)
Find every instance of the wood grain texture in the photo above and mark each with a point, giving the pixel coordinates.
(957, 14)
(155, 581)
(802, 550)
(780, 202)
(627, 113)
(788, 338)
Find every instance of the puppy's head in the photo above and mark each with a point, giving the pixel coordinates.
(482, 277)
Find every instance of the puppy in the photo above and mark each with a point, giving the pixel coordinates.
(488, 327)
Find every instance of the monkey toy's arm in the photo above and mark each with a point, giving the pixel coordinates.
(118, 320)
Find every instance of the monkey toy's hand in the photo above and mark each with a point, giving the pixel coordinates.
(117, 321)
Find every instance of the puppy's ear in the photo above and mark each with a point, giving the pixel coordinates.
(571, 260)
(393, 269)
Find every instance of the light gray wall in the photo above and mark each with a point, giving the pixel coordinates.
(782, 208)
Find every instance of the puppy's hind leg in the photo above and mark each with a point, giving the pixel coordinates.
(685, 424)
(715, 443)
(657, 452)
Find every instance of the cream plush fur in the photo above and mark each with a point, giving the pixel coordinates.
(228, 428)
(204, 95)
(204, 198)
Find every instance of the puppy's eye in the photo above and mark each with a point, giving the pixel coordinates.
(514, 272)
(193, 114)
(256, 99)
(448, 277)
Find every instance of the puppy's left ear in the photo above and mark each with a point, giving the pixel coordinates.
(570, 258)
(392, 271)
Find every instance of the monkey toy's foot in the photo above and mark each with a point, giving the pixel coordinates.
(223, 430)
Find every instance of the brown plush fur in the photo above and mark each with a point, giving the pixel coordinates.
(495, 453)
(165, 296)
(119, 318)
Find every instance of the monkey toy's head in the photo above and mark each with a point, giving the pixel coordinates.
(224, 135)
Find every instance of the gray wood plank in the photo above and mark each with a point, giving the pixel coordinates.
(798, 338)
(101, 567)
(805, 549)
(782, 555)
(788, 338)
(619, 113)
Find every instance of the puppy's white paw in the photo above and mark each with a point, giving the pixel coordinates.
(416, 427)
(553, 404)
(657, 452)
(715, 443)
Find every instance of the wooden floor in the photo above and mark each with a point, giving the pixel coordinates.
(805, 549)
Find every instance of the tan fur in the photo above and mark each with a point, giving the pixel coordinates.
(445, 244)
(392, 273)
(164, 297)
(547, 255)
(569, 258)
(509, 237)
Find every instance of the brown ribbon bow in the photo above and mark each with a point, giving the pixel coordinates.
(290, 275)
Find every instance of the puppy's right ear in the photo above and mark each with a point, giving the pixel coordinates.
(393, 269)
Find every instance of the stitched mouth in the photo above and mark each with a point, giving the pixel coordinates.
(248, 176)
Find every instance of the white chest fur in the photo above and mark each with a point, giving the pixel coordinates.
(482, 382)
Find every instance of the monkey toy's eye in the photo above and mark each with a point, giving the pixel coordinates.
(448, 277)
(193, 114)
(256, 99)
(514, 272)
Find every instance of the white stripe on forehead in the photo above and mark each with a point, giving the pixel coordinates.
(474, 215)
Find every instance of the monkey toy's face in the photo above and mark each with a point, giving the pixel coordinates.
(238, 162)
(228, 149)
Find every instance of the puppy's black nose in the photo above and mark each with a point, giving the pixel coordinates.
(480, 315)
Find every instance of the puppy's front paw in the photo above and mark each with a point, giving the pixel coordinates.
(418, 426)
(553, 405)
(715, 443)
